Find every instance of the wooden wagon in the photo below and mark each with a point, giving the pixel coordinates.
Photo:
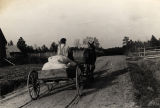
(77, 74)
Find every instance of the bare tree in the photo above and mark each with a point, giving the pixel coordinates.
(96, 41)
(85, 40)
(77, 43)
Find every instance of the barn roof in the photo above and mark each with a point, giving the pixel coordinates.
(2, 38)
(12, 48)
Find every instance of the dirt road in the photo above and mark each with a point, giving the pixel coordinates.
(112, 88)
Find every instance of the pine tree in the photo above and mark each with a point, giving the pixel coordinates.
(44, 48)
(154, 42)
(21, 44)
(53, 47)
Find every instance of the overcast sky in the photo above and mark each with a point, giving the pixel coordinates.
(44, 21)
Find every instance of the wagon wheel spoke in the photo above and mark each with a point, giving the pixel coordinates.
(38, 88)
(33, 85)
(79, 84)
(80, 80)
(30, 86)
(31, 89)
(30, 80)
(34, 94)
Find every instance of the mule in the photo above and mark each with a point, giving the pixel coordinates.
(90, 59)
(86, 56)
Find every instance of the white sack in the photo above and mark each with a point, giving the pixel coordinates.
(58, 59)
(56, 62)
(49, 66)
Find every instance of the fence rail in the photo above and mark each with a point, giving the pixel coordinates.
(151, 52)
(47, 54)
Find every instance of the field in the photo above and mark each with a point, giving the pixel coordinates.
(12, 77)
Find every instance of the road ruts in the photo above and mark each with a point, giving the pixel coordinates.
(112, 88)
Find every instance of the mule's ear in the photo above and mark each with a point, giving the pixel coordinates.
(93, 43)
(89, 43)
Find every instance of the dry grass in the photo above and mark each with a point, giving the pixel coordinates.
(145, 84)
(12, 77)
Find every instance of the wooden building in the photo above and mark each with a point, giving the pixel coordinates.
(12, 51)
(3, 43)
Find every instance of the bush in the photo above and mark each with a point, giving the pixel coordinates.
(144, 81)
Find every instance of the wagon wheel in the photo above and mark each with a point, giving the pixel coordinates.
(79, 80)
(33, 85)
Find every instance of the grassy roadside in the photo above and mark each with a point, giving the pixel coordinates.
(144, 82)
(11, 77)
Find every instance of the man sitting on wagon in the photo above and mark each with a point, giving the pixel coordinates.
(61, 60)
(63, 49)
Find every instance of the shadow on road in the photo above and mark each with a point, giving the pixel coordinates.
(102, 80)
(69, 86)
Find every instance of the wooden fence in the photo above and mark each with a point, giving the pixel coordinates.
(149, 52)
(47, 54)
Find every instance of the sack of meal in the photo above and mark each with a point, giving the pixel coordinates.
(56, 62)
(58, 59)
(49, 66)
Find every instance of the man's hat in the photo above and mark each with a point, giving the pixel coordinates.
(63, 40)
(90, 41)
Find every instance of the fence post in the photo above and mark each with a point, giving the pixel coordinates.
(144, 52)
(138, 52)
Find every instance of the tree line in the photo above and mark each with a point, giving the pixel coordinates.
(25, 48)
(130, 46)
(21, 44)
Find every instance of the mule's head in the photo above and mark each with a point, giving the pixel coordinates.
(91, 45)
